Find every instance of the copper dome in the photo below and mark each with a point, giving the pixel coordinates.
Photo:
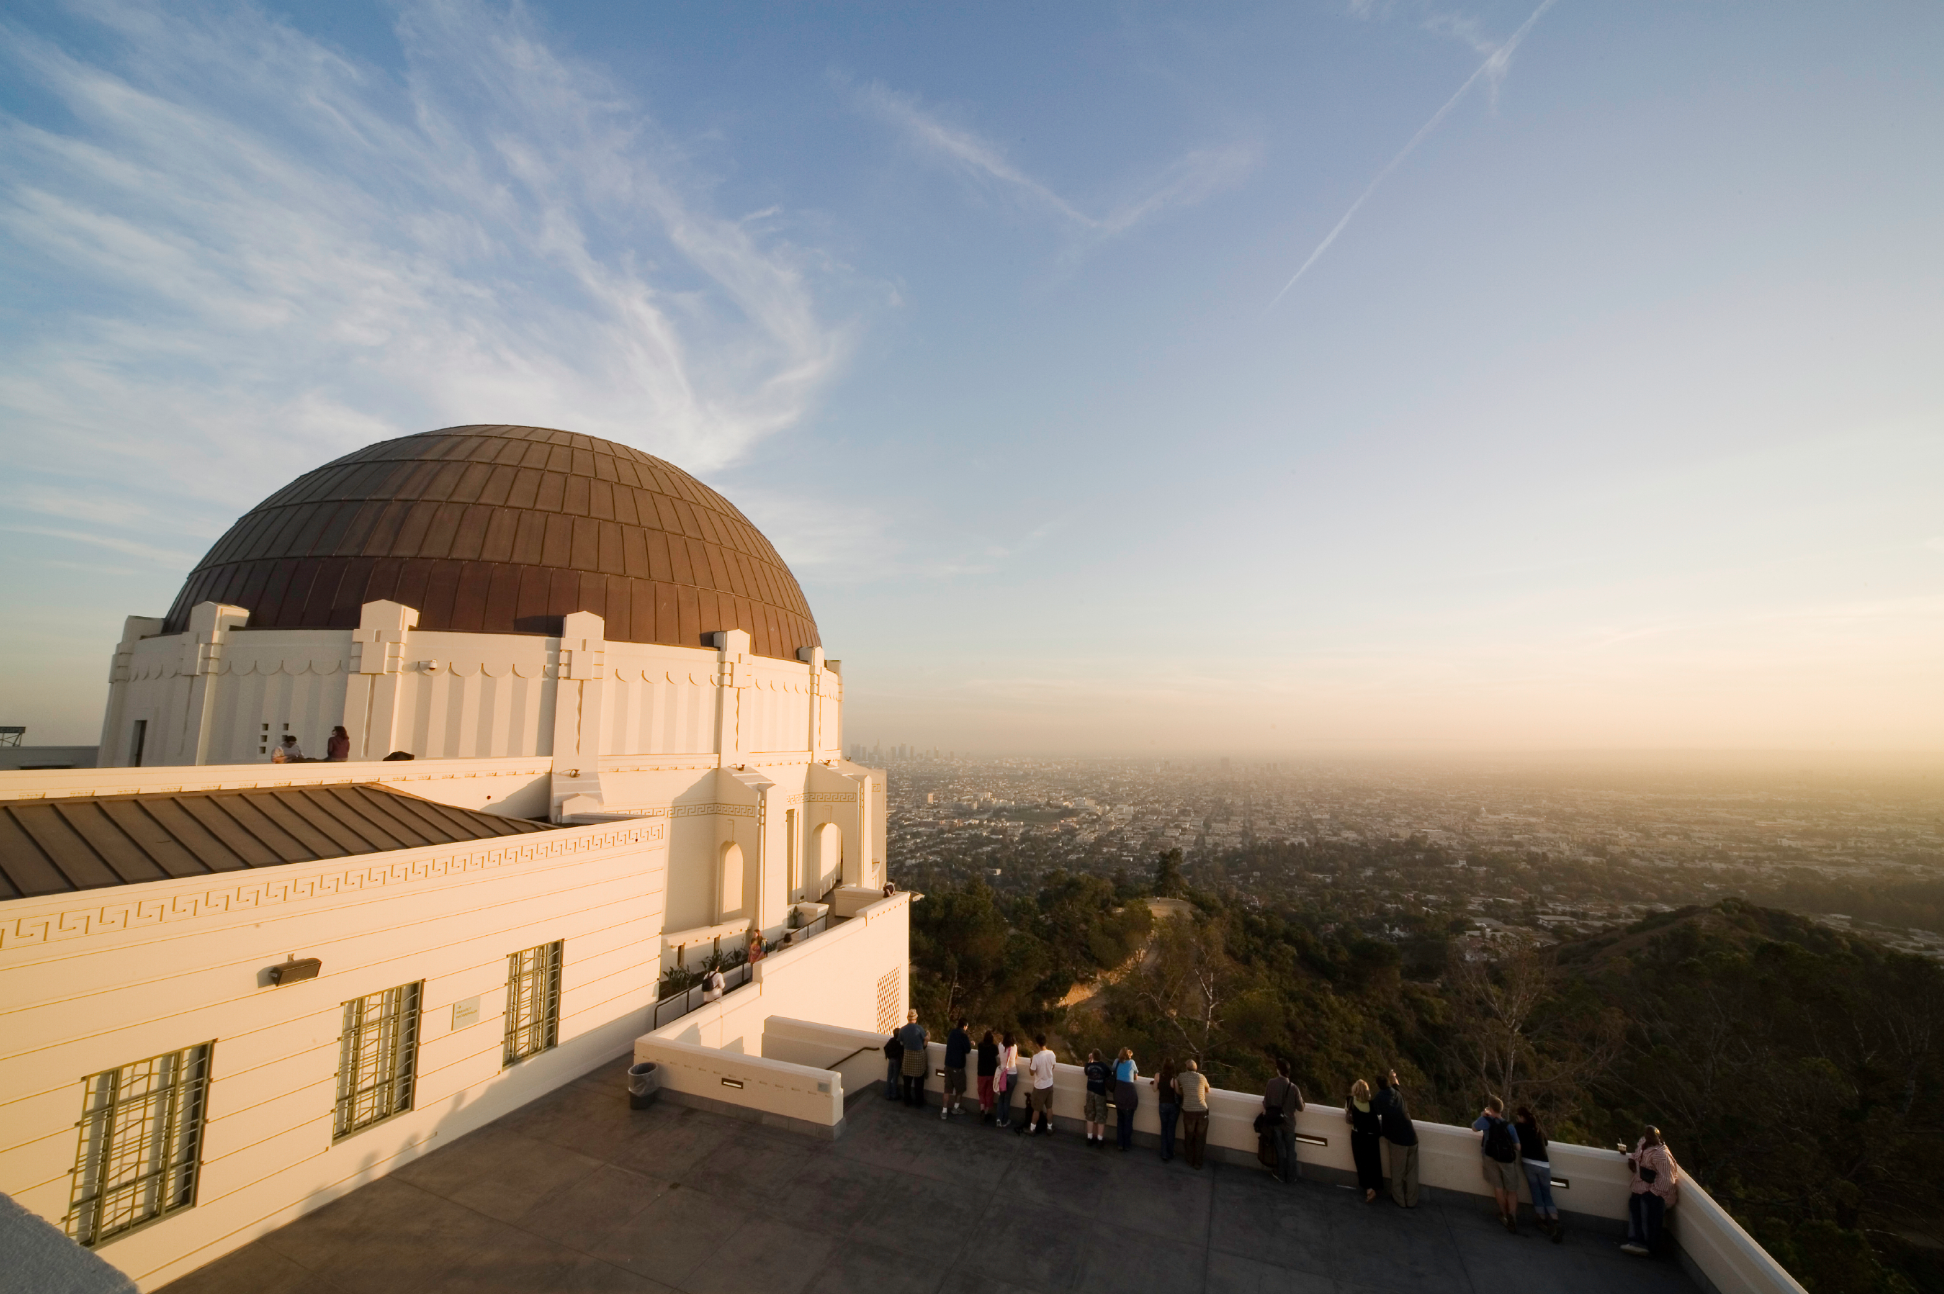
(492, 529)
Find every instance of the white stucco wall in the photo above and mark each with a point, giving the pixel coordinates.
(95, 980)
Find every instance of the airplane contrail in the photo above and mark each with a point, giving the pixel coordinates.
(1496, 63)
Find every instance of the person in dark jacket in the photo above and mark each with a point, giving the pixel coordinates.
(1167, 1097)
(894, 1066)
(917, 1056)
(1366, 1140)
(1098, 1074)
(958, 1049)
(988, 1066)
(1282, 1101)
(338, 748)
(1400, 1139)
(1533, 1157)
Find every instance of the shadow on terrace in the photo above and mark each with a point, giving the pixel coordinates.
(575, 1192)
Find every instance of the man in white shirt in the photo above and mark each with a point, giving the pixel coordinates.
(1043, 1064)
(712, 985)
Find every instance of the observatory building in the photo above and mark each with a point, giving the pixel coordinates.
(259, 984)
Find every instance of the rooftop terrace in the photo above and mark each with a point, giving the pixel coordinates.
(576, 1193)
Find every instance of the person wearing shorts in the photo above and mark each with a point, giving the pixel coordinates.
(1097, 1074)
(1044, 1067)
(1498, 1145)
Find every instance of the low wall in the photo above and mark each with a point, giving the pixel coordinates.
(773, 1092)
(754, 1054)
(832, 977)
(857, 1055)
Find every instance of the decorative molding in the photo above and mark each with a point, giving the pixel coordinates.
(824, 797)
(269, 890)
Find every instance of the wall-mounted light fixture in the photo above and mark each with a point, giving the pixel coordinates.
(732, 1082)
(295, 970)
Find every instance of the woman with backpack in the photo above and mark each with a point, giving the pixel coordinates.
(1498, 1147)
(1656, 1189)
(1538, 1173)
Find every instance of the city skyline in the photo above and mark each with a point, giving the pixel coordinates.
(1343, 377)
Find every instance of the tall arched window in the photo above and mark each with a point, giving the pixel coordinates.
(730, 872)
(829, 856)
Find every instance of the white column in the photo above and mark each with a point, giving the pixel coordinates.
(371, 691)
(579, 683)
(116, 732)
(201, 662)
(732, 654)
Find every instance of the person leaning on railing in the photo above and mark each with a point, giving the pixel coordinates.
(1366, 1136)
(1282, 1101)
(1400, 1135)
(916, 1057)
(893, 1066)
(1656, 1189)
(1534, 1158)
(1005, 1080)
(1193, 1086)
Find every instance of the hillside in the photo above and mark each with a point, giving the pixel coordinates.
(1798, 1071)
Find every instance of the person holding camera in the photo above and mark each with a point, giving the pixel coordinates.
(1656, 1189)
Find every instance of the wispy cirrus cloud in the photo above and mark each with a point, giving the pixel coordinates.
(243, 253)
(1188, 180)
(1498, 59)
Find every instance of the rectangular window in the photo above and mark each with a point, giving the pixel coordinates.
(377, 1058)
(532, 1001)
(141, 1143)
(135, 743)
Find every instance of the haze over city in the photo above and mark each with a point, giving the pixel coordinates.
(1339, 376)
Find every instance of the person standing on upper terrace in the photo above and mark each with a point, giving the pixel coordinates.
(1282, 1101)
(1400, 1136)
(916, 1058)
(1498, 1147)
(958, 1049)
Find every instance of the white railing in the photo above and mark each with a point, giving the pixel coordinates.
(1586, 1180)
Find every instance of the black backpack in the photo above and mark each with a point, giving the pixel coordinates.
(1498, 1141)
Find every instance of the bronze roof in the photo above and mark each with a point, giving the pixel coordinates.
(493, 529)
(54, 846)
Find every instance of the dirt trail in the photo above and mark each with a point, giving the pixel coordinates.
(1162, 910)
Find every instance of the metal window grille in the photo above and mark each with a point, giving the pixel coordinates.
(377, 1058)
(141, 1143)
(532, 1001)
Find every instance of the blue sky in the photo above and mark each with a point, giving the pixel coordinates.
(1611, 416)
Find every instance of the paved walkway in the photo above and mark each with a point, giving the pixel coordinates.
(575, 1193)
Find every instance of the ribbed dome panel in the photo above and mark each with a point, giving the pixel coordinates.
(494, 529)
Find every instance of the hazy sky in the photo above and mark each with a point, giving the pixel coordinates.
(1113, 377)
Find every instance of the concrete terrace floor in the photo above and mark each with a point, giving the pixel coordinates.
(574, 1193)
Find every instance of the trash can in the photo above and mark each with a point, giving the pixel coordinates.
(644, 1080)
